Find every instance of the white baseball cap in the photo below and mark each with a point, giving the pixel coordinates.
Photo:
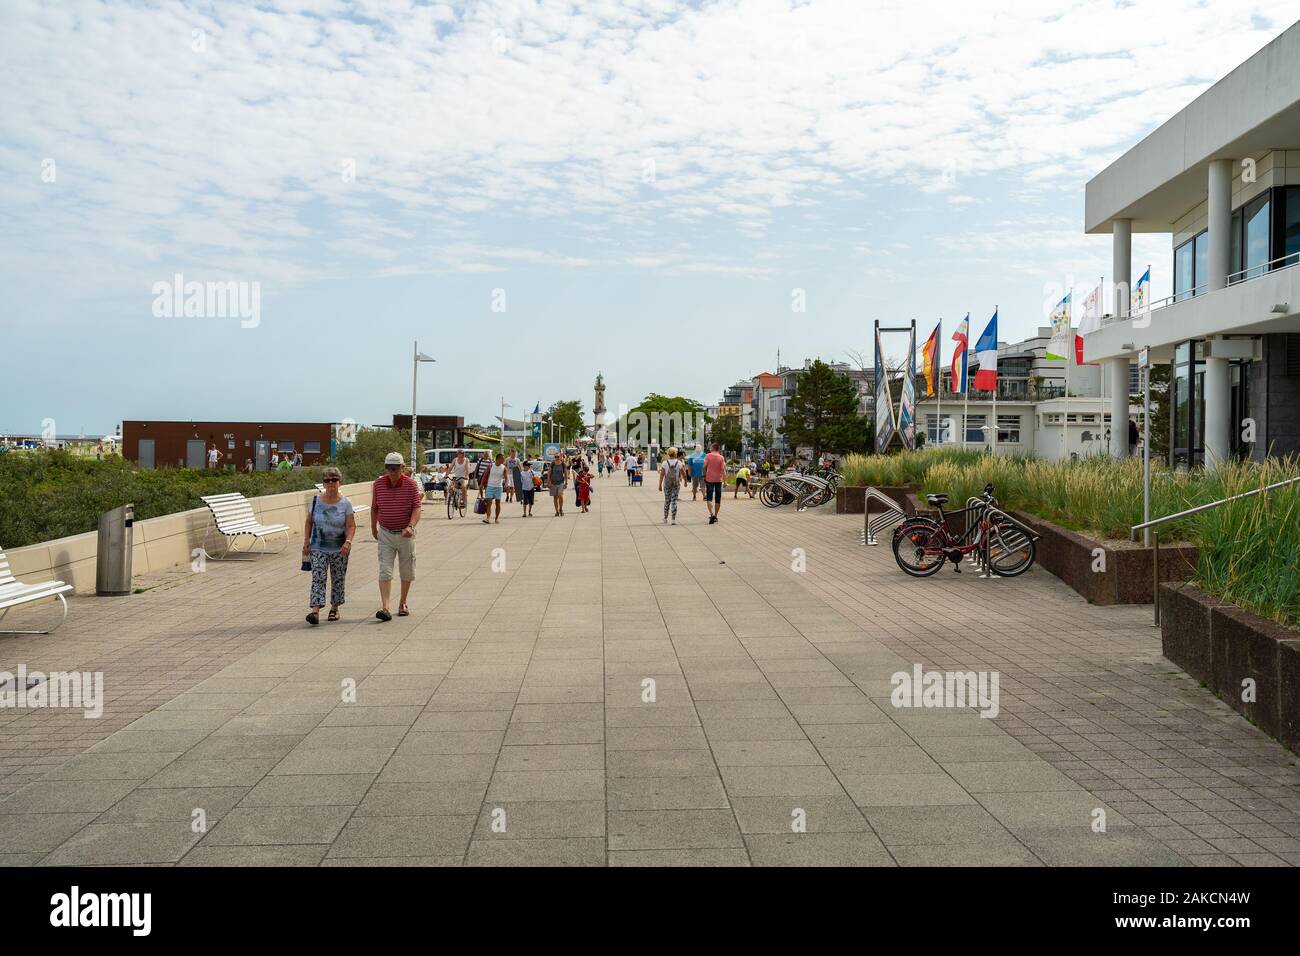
(394, 458)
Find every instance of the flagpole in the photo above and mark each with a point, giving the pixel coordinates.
(993, 444)
(938, 385)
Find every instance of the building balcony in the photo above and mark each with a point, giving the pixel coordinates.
(1263, 300)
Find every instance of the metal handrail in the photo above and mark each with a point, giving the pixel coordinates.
(1157, 522)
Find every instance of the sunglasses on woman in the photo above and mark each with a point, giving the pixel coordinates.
(330, 481)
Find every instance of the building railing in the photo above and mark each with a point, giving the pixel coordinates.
(1234, 278)
(1148, 527)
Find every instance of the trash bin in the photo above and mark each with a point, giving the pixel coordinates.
(113, 558)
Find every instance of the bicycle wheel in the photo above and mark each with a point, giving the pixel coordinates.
(1011, 551)
(461, 498)
(919, 548)
(770, 494)
(450, 495)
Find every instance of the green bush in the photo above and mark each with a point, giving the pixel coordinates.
(53, 494)
(363, 459)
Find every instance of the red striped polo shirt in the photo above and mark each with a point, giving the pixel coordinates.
(394, 504)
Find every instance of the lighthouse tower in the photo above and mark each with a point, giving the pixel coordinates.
(599, 408)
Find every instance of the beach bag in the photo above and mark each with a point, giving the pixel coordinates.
(480, 506)
(537, 481)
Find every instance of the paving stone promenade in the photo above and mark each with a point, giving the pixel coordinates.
(515, 697)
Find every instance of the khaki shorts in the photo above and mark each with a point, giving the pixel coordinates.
(393, 545)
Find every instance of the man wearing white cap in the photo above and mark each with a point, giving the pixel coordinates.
(394, 513)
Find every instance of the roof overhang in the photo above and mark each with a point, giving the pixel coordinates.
(1251, 111)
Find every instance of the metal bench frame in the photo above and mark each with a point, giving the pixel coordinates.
(13, 593)
(233, 517)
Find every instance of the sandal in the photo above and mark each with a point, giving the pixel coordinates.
(383, 615)
(333, 614)
(313, 618)
(403, 611)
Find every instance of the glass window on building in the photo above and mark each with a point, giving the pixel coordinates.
(1188, 405)
(311, 448)
(975, 429)
(1009, 429)
(1256, 236)
(1201, 275)
(285, 446)
(1183, 270)
(1290, 224)
(932, 428)
(1191, 266)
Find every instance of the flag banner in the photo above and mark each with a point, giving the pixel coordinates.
(1141, 297)
(930, 357)
(959, 357)
(986, 352)
(907, 402)
(1059, 346)
(884, 403)
(1091, 322)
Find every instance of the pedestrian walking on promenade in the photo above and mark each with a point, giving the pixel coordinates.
(512, 475)
(394, 513)
(697, 471)
(715, 473)
(670, 482)
(327, 541)
(557, 477)
(496, 481)
(583, 483)
(524, 479)
(214, 456)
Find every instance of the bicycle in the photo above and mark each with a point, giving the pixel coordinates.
(455, 496)
(1003, 545)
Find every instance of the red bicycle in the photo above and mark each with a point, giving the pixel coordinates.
(1004, 546)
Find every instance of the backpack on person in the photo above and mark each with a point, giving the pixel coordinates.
(672, 474)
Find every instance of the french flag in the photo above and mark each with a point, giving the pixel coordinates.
(959, 357)
(986, 352)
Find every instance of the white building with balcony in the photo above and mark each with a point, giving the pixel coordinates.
(1223, 177)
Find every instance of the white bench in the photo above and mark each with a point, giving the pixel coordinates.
(14, 593)
(356, 509)
(232, 517)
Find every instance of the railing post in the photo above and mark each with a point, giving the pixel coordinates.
(1155, 584)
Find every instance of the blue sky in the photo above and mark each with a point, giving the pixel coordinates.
(642, 185)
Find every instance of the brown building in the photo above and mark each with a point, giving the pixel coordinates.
(186, 444)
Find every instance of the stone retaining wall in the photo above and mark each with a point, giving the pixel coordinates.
(158, 543)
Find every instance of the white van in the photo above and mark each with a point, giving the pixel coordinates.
(435, 458)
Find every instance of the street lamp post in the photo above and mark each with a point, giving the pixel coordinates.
(418, 357)
(504, 406)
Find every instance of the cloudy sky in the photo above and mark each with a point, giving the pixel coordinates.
(540, 191)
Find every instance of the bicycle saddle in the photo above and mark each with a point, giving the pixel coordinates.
(937, 499)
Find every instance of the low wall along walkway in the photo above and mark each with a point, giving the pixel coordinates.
(159, 543)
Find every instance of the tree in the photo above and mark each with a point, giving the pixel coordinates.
(363, 458)
(1160, 378)
(726, 433)
(662, 420)
(567, 417)
(760, 439)
(823, 412)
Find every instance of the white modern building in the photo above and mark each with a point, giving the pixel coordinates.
(1035, 413)
(1223, 177)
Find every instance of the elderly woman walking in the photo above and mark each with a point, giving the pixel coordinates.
(327, 540)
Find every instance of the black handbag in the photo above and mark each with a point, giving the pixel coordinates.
(306, 562)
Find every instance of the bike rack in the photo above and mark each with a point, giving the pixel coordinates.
(891, 514)
(986, 557)
(818, 485)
